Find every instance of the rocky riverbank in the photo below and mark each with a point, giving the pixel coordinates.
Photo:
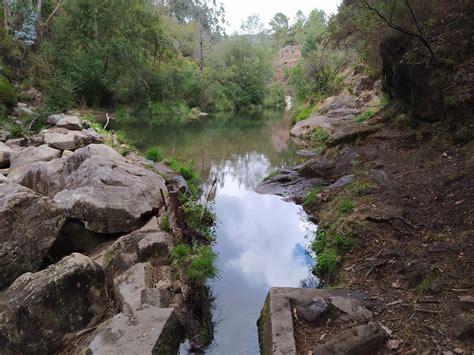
(85, 238)
(393, 197)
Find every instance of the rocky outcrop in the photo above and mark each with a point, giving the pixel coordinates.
(41, 312)
(97, 186)
(65, 121)
(29, 226)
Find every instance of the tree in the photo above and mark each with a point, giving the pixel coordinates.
(252, 25)
(298, 27)
(385, 11)
(280, 28)
(314, 29)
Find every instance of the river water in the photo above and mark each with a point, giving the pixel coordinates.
(261, 240)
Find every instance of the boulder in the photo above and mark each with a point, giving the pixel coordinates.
(154, 245)
(322, 168)
(70, 122)
(342, 182)
(151, 330)
(304, 128)
(29, 226)
(5, 155)
(177, 181)
(349, 309)
(65, 140)
(23, 109)
(339, 102)
(3, 179)
(108, 194)
(30, 155)
(4, 135)
(40, 312)
(360, 340)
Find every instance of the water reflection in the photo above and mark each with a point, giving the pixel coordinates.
(261, 240)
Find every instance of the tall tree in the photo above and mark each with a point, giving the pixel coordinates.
(280, 27)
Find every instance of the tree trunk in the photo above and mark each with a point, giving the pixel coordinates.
(39, 7)
(5, 16)
(201, 47)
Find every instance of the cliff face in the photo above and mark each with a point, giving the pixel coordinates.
(440, 87)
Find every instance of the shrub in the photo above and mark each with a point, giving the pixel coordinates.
(154, 154)
(198, 261)
(303, 114)
(59, 93)
(8, 95)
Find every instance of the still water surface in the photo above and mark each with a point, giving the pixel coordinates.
(261, 239)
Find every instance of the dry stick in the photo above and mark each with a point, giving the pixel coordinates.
(164, 200)
(108, 120)
(207, 198)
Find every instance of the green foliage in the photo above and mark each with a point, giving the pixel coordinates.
(327, 265)
(345, 205)
(358, 187)
(364, 116)
(318, 139)
(8, 95)
(59, 93)
(165, 223)
(187, 171)
(197, 261)
(272, 173)
(310, 199)
(303, 114)
(154, 154)
(274, 96)
(329, 247)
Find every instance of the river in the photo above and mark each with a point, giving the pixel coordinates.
(261, 240)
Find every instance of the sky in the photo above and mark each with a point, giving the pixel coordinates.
(239, 10)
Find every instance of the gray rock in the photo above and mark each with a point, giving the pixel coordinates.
(306, 153)
(29, 226)
(463, 326)
(23, 109)
(350, 309)
(67, 153)
(3, 179)
(314, 312)
(17, 142)
(360, 340)
(350, 133)
(122, 255)
(343, 181)
(70, 122)
(177, 181)
(40, 312)
(54, 119)
(304, 128)
(321, 168)
(46, 178)
(30, 155)
(128, 288)
(339, 102)
(65, 140)
(151, 330)
(109, 195)
(5, 155)
(4, 135)
(154, 245)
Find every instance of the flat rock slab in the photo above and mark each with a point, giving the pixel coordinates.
(275, 325)
(68, 140)
(65, 121)
(129, 286)
(151, 330)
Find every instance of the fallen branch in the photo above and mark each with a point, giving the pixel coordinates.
(108, 120)
(207, 198)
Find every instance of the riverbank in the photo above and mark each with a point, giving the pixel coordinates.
(394, 208)
(90, 241)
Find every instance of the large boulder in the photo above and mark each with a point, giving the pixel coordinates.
(41, 312)
(29, 225)
(65, 121)
(30, 155)
(65, 140)
(107, 193)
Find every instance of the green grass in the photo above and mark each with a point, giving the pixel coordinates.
(197, 261)
(303, 114)
(154, 154)
(187, 171)
(330, 246)
(165, 223)
(345, 205)
(358, 187)
(364, 116)
(310, 198)
(318, 139)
